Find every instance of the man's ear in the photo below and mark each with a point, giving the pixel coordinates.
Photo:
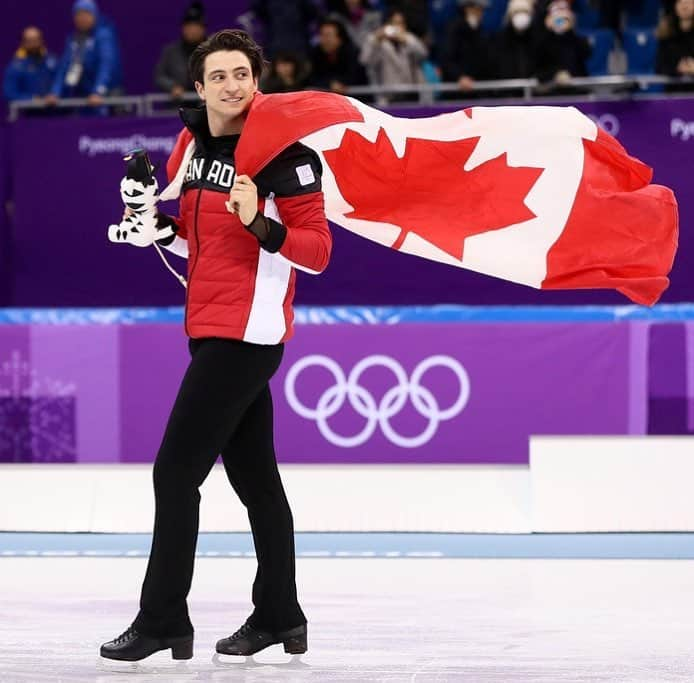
(200, 89)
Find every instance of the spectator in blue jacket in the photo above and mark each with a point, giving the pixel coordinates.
(90, 66)
(30, 74)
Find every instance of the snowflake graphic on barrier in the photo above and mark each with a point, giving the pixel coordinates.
(37, 415)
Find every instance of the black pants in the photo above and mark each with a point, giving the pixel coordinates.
(223, 406)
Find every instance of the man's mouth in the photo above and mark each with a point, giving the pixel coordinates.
(233, 100)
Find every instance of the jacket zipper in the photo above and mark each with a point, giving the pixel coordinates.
(205, 170)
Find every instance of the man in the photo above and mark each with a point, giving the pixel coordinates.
(90, 65)
(334, 60)
(171, 74)
(30, 74)
(288, 73)
(243, 238)
(561, 52)
(467, 52)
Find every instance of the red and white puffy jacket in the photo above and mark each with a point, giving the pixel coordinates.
(239, 288)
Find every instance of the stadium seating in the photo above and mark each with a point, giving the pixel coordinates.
(602, 42)
(640, 45)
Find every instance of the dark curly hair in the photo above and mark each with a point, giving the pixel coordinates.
(228, 39)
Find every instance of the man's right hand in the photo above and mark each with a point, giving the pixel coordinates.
(50, 100)
(686, 66)
(177, 92)
(338, 87)
(465, 83)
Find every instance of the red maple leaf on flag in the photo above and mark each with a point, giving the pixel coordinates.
(427, 191)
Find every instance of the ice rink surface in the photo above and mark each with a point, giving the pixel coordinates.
(369, 619)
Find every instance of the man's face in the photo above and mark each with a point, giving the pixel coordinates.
(229, 84)
(398, 21)
(329, 38)
(32, 41)
(473, 15)
(84, 21)
(560, 20)
(193, 32)
(285, 69)
(685, 9)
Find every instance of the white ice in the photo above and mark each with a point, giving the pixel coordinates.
(369, 620)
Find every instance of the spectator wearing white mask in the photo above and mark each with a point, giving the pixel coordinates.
(515, 45)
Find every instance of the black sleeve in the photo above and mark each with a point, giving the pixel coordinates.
(450, 59)
(584, 51)
(667, 58)
(295, 171)
(547, 64)
(162, 74)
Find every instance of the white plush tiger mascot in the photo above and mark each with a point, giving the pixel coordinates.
(139, 225)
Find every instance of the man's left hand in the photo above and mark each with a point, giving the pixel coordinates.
(243, 199)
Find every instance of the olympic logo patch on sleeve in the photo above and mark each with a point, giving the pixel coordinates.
(305, 174)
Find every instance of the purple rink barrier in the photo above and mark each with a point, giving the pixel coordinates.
(449, 393)
(99, 388)
(65, 190)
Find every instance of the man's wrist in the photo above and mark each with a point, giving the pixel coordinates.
(268, 232)
(256, 221)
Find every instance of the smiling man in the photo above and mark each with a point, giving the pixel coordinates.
(243, 238)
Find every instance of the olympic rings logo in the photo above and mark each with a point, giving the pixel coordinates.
(608, 122)
(364, 404)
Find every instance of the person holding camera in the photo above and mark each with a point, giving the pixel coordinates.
(392, 55)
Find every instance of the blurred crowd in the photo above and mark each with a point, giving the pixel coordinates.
(336, 44)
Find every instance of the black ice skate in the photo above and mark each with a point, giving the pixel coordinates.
(132, 646)
(247, 641)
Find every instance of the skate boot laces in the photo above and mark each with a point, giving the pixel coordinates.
(240, 633)
(128, 634)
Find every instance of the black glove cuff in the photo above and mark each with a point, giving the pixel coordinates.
(268, 231)
(165, 221)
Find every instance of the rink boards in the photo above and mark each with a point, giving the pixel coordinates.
(441, 385)
(443, 419)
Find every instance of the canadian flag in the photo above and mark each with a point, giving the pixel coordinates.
(535, 195)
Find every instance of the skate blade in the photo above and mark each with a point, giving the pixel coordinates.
(252, 662)
(154, 665)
